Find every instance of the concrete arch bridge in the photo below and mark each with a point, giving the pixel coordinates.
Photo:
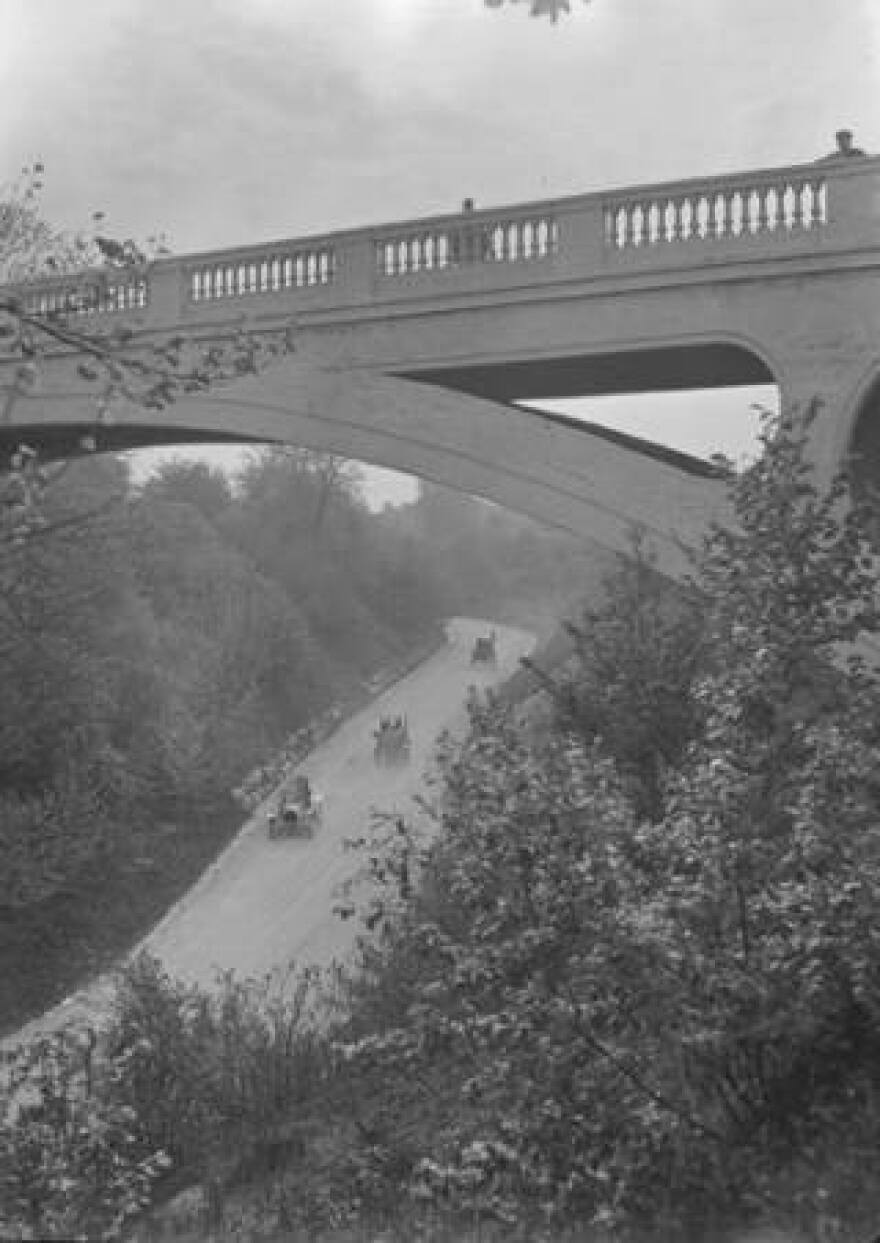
(414, 339)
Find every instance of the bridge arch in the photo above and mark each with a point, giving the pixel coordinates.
(559, 472)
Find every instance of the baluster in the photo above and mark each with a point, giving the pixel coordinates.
(620, 227)
(822, 201)
(806, 199)
(763, 215)
(753, 203)
(771, 208)
(789, 207)
(716, 215)
(687, 218)
(499, 243)
(668, 220)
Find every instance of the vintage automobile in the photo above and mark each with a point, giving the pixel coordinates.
(393, 745)
(484, 650)
(297, 813)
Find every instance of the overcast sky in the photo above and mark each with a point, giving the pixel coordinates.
(217, 122)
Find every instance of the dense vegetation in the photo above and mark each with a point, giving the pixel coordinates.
(629, 990)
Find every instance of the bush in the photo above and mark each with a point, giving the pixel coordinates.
(73, 1160)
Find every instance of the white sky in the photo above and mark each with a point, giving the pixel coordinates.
(221, 121)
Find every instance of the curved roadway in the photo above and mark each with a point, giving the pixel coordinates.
(264, 903)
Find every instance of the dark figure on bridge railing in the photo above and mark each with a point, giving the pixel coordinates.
(844, 150)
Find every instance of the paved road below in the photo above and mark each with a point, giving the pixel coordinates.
(265, 903)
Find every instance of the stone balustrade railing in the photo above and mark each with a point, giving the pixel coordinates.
(587, 235)
(287, 267)
(95, 294)
(737, 208)
(474, 239)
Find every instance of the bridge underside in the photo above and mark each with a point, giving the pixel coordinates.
(667, 369)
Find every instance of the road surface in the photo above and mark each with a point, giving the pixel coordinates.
(263, 904)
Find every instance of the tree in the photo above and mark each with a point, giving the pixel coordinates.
(191, 483)
(63, 585)
(630, 682)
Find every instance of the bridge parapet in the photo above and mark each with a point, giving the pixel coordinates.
(797, 208)
(743, 217)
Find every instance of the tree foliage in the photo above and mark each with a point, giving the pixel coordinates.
(622, 1021)
(630, 680)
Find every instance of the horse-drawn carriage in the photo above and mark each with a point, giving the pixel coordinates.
(484, 650)
(392, 742)
(297, 814)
